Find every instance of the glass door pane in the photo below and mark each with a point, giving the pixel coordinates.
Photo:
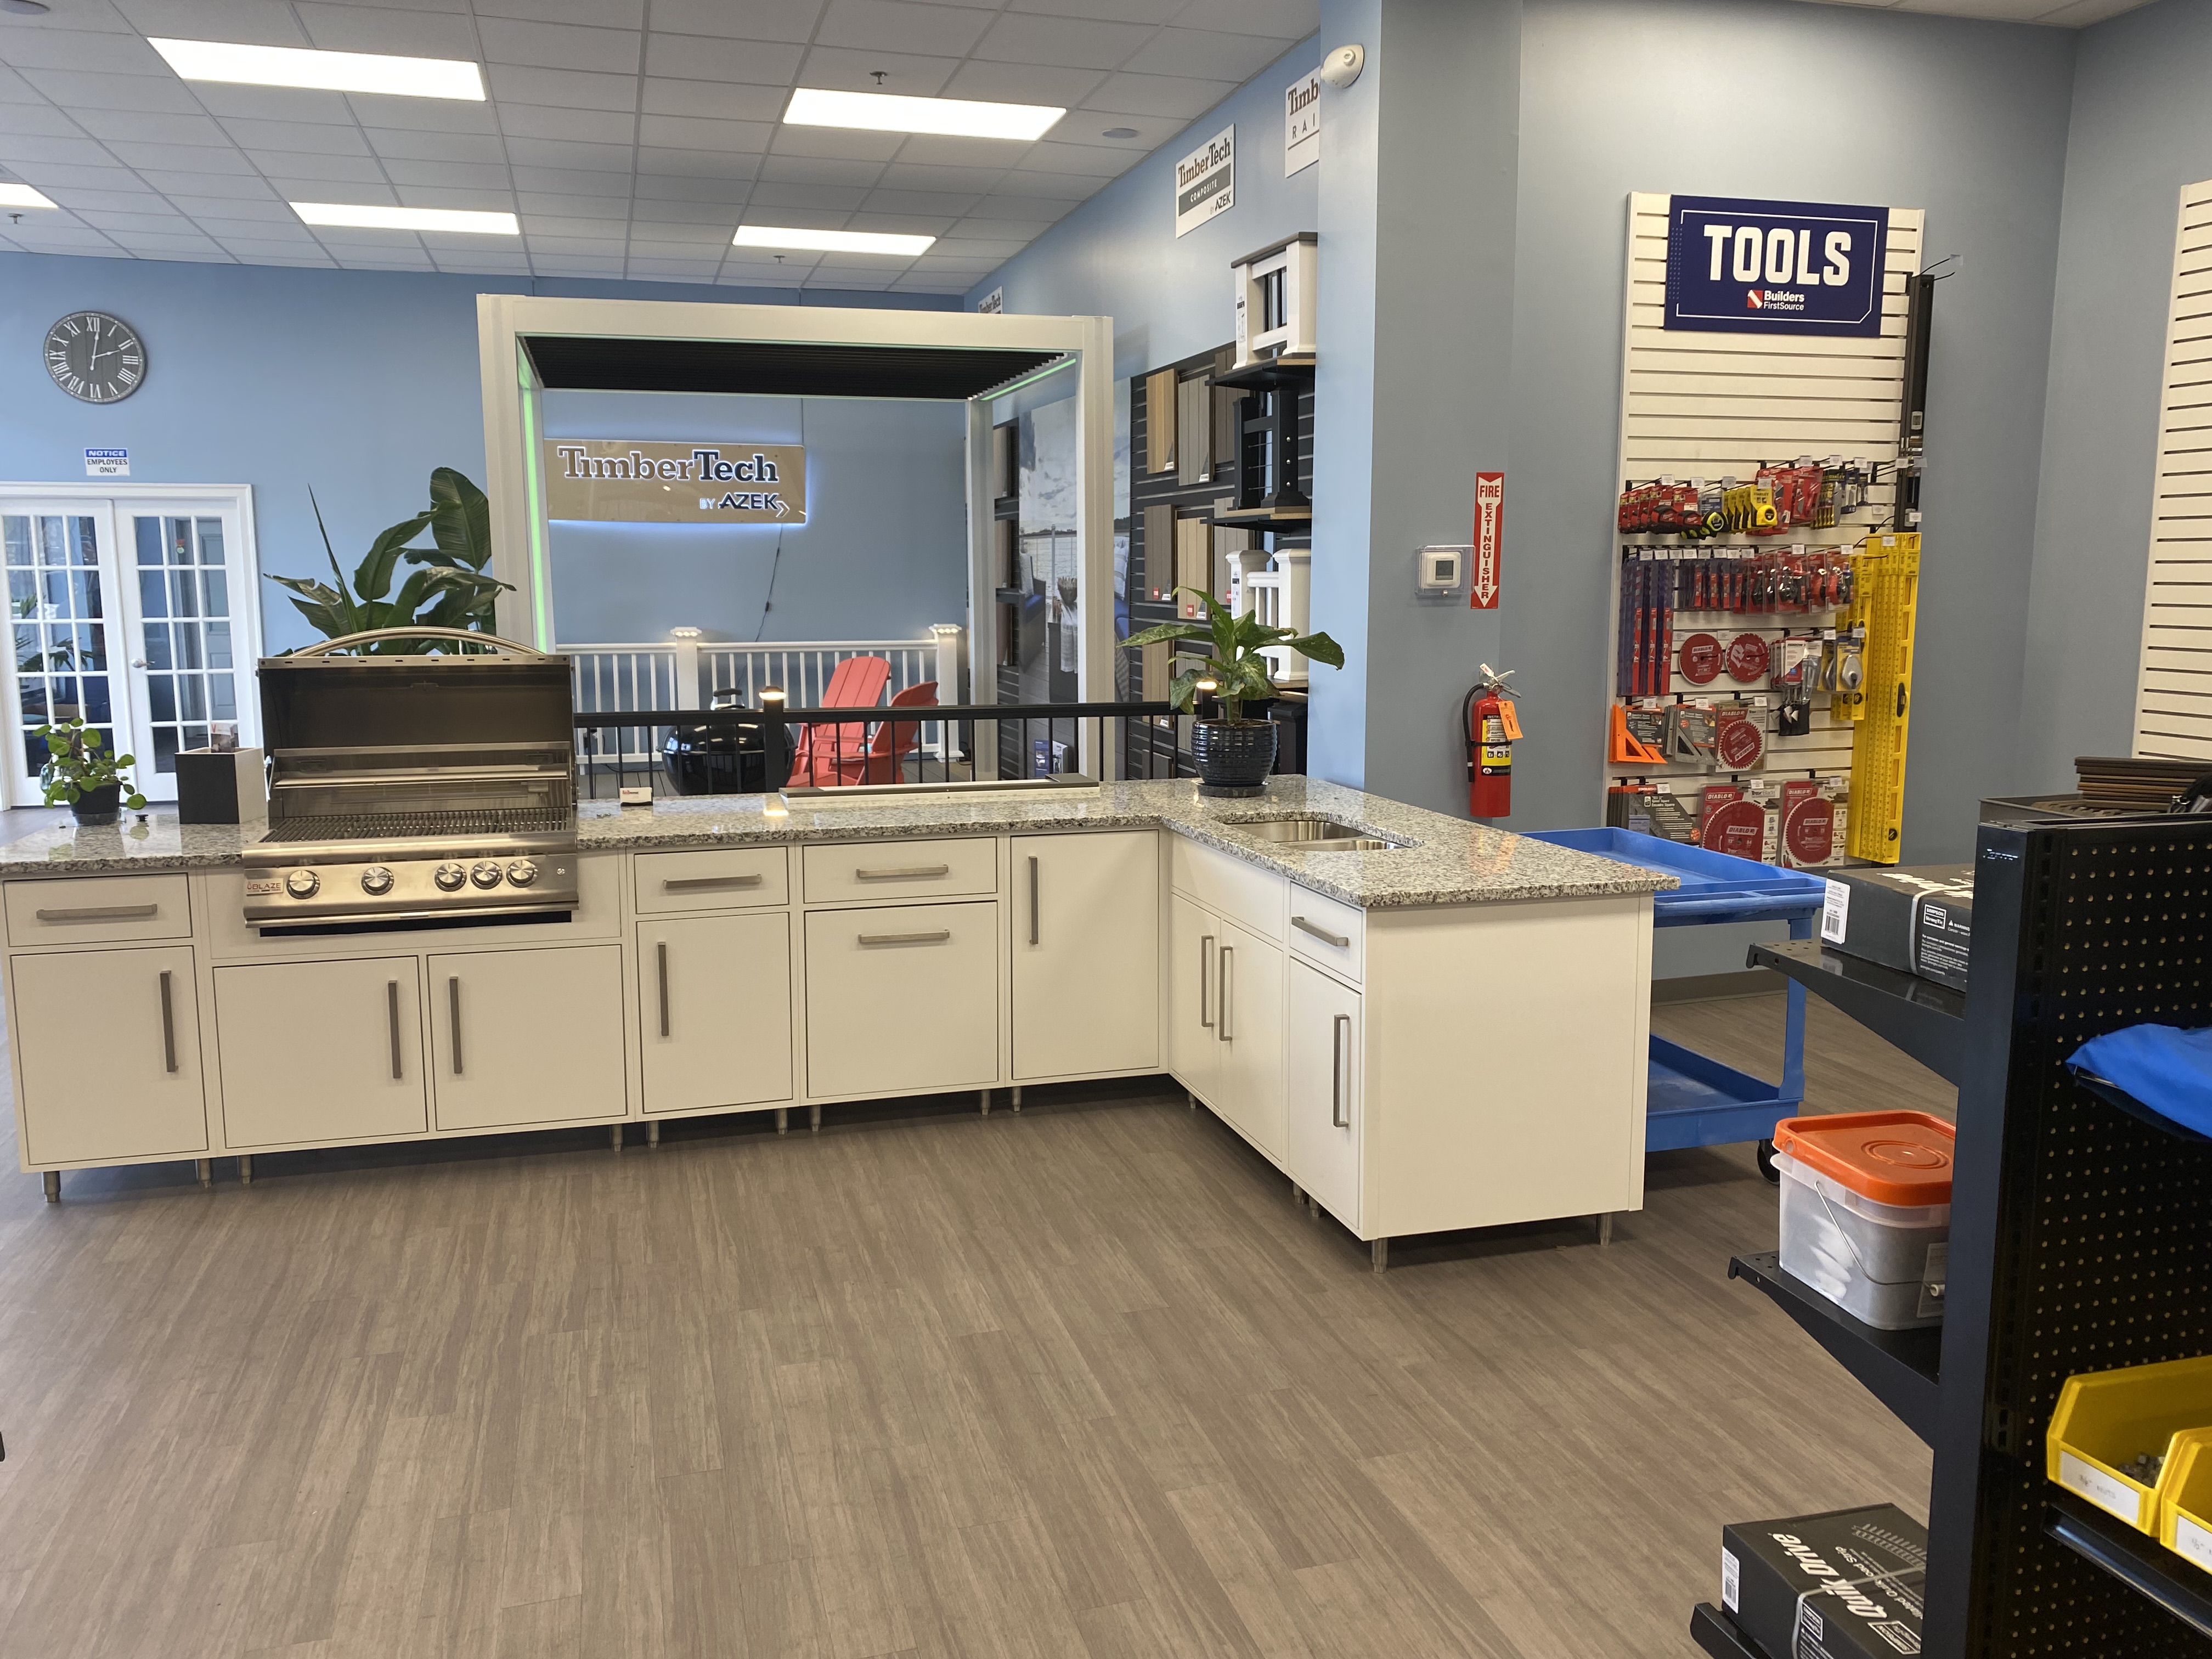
(185, 613)
(57, 610)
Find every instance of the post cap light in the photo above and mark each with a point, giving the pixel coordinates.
(327, 71)
(830, 241)
(685, 633)
(369, 216)
(885, 112)
(771, 696)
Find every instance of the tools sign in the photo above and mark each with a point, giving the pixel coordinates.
(1746, 265)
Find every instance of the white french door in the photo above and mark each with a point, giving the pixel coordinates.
(134, 612)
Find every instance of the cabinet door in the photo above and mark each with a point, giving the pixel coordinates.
(905, 998)
(1248, 993)
(109, 1043)
(715, 1009)
(526, 1037)
(1323, 1087)
(321, 1051)
(1194, 1033)
(1086, 953)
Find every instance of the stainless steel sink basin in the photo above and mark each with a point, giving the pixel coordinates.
(1310, 833)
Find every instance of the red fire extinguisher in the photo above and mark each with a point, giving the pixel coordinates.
(1490, 725)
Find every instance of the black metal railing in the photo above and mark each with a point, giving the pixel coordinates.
(723, 751)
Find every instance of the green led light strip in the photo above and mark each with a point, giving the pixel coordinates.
(541, 614)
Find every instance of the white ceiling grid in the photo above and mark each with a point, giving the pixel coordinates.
(631, 136)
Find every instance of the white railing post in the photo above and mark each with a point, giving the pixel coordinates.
(686, 666)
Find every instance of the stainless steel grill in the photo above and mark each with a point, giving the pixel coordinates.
(444, 826)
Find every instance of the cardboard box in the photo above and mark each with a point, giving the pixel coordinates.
(1918, 920)
(1846, 1584)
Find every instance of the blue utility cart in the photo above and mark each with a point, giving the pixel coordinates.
(1694, 1100)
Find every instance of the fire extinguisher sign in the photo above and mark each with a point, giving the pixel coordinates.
(1489, 518)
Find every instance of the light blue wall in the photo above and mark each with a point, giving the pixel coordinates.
(882, 554)
(357, 383)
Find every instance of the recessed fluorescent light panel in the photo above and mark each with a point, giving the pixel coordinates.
(15, 196)
(884, 112)
(330, 71)
(830, 241)
(405, 218)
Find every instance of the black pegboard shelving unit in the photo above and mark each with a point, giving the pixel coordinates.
(1898, 1368)
(1925, 1019)
(1716, 1633)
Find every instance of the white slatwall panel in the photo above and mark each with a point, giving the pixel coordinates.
(2173, 692)
(1698, 405)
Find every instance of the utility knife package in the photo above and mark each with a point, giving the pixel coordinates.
(1919, 920)
(1844, 1585)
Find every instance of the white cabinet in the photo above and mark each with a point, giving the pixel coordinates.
(108, 1050)
(315, 1052)
(1193, 1045)
(1086, 953)
(1249, 1023)
(1324, 1091)
(714, 1011)
(520, 1038)
(904, 998)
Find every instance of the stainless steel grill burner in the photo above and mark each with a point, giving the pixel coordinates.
(414, 789)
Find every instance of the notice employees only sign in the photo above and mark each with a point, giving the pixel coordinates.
(1739, 265)
(616, 480)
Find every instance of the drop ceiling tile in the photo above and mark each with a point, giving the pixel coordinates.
(936, 149)
(79, 16)
(1172, 96)
(58, 238)
(75, 49)
(233, 209)
(933, 202)
(772, 197)
(560, 46)
(345, 240)
(304, 262)
(148, 241)
(605, 13)
(535, 225)
(1064, 42)
(1090, 125)
(695, 197)
(901, 224)
(567, 181)
(182, 158)
(72, 185)
(741, 19)
(1012, 228)
(667, 238)
(17, 147)
(251, 22)
(704, 252)
(225, 228)
(673, 271)
(844, 69)
(450, 175)
(41, 118)
(836, 143)
(75, 89)
(590, 126)
(324, 170)
(697, 57)
(274, 103)
(15, 89)
(383, 29)
(484, 265)
(305, 138)
(561, 205)
(723, 166)
(863, 265)
(1023, 83)
(1286, 19)
(423, 114)
(554, 153)
(2084, 12)
(254, 251)
(1079, 160)
(975, 249)
(903, 26)
(915, 175)
(238, 186)
(153, 127)
(575, 88)
(819, 170)
(716, 101)
(570, 264)
(693, 132)
(101, 220)
(796, 218)
(481, 147)
(386, 262)
(569, 248)
(1118, 11)
(488, 200)
(1206, 54)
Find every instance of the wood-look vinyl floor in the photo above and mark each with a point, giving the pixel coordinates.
(1077, 1382)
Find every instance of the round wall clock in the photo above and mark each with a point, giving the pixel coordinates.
(96, 357)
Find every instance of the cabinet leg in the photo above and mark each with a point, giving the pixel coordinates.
(1605, 1228)
(983, 1100)
(246, 1170)
(653, 1132)
(614, 1137)
(53, 1182)
(814, 1119)
(1298, 1195)
(204, 1168)
(1313, 1207)
(1378, 1253)
(1190, 1099)
(783, 1120)
(1017, 1097)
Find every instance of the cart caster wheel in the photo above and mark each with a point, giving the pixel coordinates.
(1766, 1170)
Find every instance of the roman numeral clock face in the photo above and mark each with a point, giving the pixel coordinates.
(96, 357)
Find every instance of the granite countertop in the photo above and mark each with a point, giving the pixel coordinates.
(1446, 860)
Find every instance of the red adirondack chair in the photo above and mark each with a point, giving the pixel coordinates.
(856, 683)
(894, 741)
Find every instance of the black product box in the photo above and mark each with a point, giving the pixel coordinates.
(222, 786)
(1919, 920)
(1844, 1585)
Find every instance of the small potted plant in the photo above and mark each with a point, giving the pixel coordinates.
(81, 770)
(1234, 755)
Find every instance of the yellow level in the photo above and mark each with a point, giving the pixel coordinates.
(1885, 597)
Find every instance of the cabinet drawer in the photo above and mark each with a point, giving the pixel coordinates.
(903, 999)
(1325, 931)
(846, 871)
(719, 878)
(1227, 886)
(96, 909)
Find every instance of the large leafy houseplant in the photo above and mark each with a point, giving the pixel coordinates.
(450, 586)
(1238, 671)
(82, 770)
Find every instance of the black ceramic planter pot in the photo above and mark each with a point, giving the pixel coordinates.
(97, 805)
(1233, 760)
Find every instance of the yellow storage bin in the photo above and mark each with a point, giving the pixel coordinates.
(2106, 1420)
(2184, 1524)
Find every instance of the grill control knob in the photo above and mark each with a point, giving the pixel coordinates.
(375, 880)
(451, 876)
(522, 873)
(485, 874)
(302, 883)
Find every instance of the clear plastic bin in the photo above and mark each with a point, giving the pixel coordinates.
(1883, 1263)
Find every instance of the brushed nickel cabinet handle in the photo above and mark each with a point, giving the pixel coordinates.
(391, 1023)
(660, 951)
(1206, 983)
(101, 912)
(453, 1007)
(938, 937)
(1033, 901)
(1338, 1114)
(916, 873)
(1228, 991)
(1338, 940)
(701, 884)
(168, 1026)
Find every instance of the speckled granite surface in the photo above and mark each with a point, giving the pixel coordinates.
(1446, 860)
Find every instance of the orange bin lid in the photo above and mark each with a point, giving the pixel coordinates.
(1891, 1157)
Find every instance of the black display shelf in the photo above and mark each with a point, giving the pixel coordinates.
(2120, 1100)
(1715, 1632)
(1897, 1367)
(1925, 1019)
(2135, 1559)
(1293, 369)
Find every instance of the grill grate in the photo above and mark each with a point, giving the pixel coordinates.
(397, 826)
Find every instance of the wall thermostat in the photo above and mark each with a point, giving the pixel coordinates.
(1441, 573)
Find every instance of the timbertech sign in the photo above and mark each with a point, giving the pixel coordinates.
(620, 481)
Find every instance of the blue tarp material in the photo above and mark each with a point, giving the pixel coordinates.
(2167, 1068)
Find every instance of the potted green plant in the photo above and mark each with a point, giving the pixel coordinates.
(1234, 755)
(82, 770)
